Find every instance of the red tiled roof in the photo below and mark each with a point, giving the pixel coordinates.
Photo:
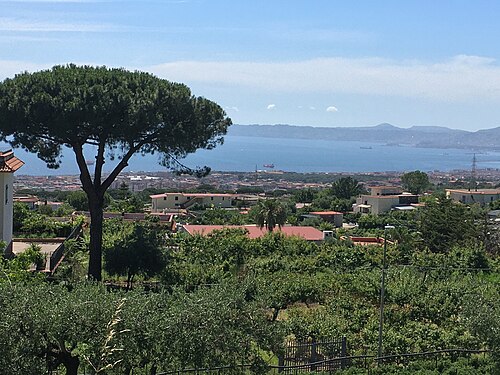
(308, 233)
(8, 162)
(475, 192)
(326, 213)
(193, 195)
(25, 199)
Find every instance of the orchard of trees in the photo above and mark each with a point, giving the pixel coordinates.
(224, 299)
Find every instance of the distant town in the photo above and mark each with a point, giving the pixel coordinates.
(263, 180)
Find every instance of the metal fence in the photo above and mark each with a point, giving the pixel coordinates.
(57, 255)
(333, 365)
(314, 355)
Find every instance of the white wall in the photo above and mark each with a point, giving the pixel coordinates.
(6, 206)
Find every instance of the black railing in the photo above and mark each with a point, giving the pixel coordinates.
(59, 252)
(332, 365)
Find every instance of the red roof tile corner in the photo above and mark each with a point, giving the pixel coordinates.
(8, 162)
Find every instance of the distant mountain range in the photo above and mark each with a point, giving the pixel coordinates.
(418, 136)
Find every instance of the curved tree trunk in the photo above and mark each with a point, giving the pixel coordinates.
(96, 208)
(71, 365)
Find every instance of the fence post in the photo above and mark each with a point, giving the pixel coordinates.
(343, 353)
(281, 363)
(313, 354)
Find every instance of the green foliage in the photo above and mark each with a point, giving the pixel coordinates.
(78, 200)
(346, 187)
(482, 312)
(74, 266)
(133, 249)
(33, 224)
(219, 216)
(443, 224)
(120, 112)
(326, 200)
(122, 193)
(415, 182)
(131, 204)
(22, 267)
(269, 213)
(87, 328)
(439, 365)
(304, 195)
(20, 213)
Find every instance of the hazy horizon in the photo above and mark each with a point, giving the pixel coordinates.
(319, 63)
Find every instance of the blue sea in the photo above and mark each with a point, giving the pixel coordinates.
(294, 155)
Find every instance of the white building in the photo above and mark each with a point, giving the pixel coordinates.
(481, 196)
(8, 165)
(171, 201)
(383, 199)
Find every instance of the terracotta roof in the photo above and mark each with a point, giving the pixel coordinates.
(308, 233)
(474, 192)
(192, 195)
(8, 162)
(25, 199)
(389, 196)
(326, 213)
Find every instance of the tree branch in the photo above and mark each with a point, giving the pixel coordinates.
(84, 171)
(121, 165)
(99, 163)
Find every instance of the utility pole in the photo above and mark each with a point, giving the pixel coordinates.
(382, 292)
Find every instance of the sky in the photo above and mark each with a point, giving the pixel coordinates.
(311, 62)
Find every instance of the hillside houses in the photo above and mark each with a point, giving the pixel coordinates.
(172, 201)
(467, 196)
(384, 199)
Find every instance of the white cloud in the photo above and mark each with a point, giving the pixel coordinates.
(271, 106)
(460, 78)
(236, 109)
(312, 108)
(25, 25)
(9, 68)
(332, 109)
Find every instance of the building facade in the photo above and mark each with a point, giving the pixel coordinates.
(8, 165)
(382, 199)
(480, 196)
(173, 201)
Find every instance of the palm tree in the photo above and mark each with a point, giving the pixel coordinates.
(269, 213)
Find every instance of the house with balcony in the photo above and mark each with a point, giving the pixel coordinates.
(175, 201)
(383, 199)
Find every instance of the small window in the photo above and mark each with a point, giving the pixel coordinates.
(164, 198)
(176, 198)
(222, 198)
(6, 194)
(211, 198)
